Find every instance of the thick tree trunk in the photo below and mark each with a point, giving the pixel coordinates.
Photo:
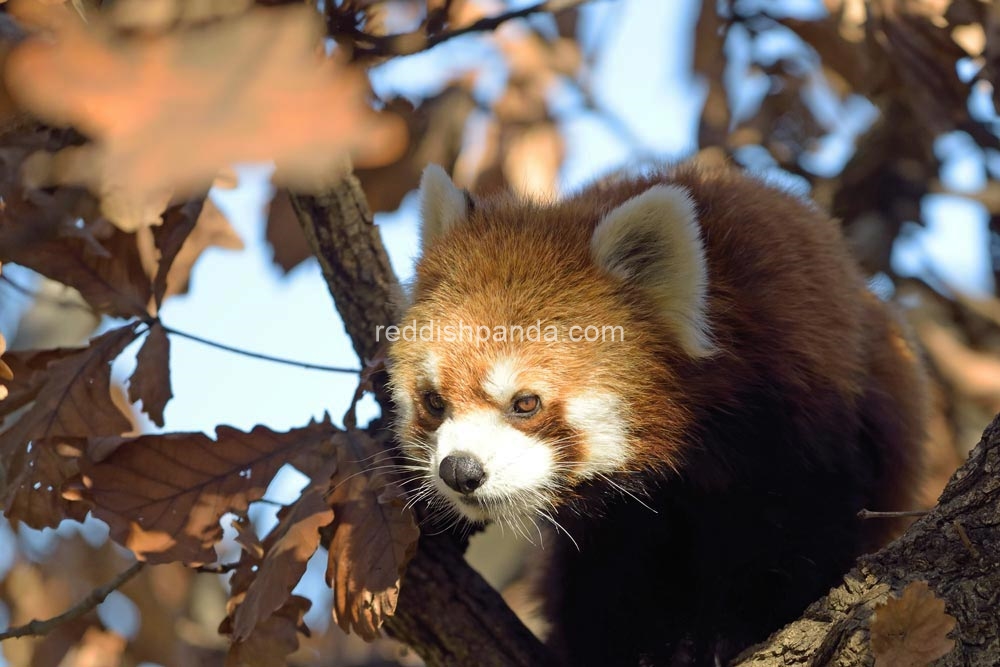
(450, 616)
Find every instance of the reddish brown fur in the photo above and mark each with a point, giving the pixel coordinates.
(812, 370)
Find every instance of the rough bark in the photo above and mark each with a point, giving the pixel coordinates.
(955, 548)
(453, 618)
(340, 230)
(447, 612)
(450, 616)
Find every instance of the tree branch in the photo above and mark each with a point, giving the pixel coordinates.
(94, 598)
(447, 612)
(954, 548)
(339, 228)
(404, 44)
(453, 618)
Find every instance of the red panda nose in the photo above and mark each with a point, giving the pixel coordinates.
(462, 472)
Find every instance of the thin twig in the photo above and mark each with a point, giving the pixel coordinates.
(87, 604)
(216, 568)
(183, 334)
(408, 43)
(258, 355)
(868, 514)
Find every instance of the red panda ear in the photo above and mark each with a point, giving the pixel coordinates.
(654, 241)
(442, 205)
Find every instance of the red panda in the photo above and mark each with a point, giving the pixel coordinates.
(698, 452)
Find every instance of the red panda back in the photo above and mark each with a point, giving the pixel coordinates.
(789, 308)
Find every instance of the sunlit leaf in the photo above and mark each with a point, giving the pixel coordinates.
(374, 537)
(169, 111)
(273, 639)
(163, 495)
(288, 548)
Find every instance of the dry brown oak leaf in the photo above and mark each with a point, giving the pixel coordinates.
(273, 639)
(151, 380)
(100, 261)
(911, 630)
(188, 229)
(168, 111)
(374, 536)
(288, 549)
(163, 495)
(69, 391)
(264, 618)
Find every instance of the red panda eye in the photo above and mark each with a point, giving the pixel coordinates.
(525, 406)
(434, 403)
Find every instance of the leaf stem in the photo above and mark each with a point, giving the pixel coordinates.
(868, 514)
(183, 334)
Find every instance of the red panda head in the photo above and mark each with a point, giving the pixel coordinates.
(540, 347)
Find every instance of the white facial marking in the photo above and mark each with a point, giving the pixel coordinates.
(517, 466)
(404, 406)
(597, 416)
(501, 382)
(432, 370)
